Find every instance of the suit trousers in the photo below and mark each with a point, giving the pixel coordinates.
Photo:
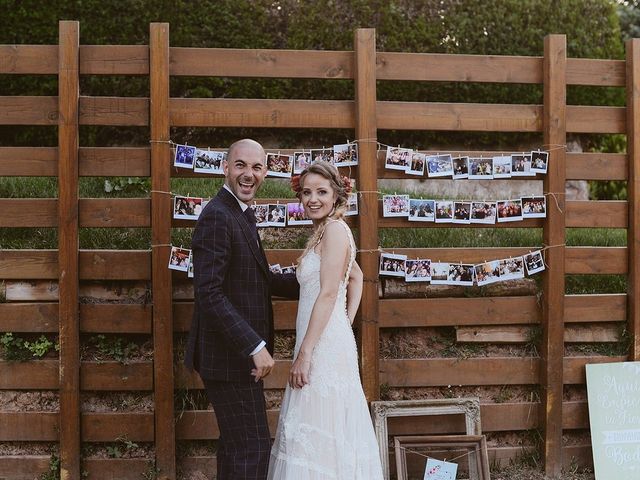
(244, 445)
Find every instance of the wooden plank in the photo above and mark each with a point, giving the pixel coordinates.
(108, 427)
(555, 126)
(366, 107)
(440, 312)
(234, 112)
(33, 375)
(23, 467)
(574, 371)
(117, 468)
(132, 264)
(494, 334)
(39, 291)
(29, 427)
(400, 222)
(29, 59)
(262, 63)
(436, 372)
(126, 111)
(28, 161)
(28, 212)
(165, 445)
(114, 60)
(458, 117)
(594, 214)
(595, 308)
(114, 376)
(438, 67)
(68, 281)
(191, 380)
(463, 255)
(41, 110)
(115, 212)
(115, 161)
(575, 415)
(589, 71)
(28, 317)
(633, 193)
(589, 119)
(29, 264)
(36, 291)
(596, 166)
(113, 318)
(591, 333)
(595, 260)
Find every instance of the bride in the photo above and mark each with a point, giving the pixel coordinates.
(324, 430)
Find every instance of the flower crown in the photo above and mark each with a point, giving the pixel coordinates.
(297, 188)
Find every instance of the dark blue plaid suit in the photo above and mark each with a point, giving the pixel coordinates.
(232, 315)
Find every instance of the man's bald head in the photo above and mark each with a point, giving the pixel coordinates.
(247, 143)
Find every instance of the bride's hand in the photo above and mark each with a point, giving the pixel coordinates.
(299, 373)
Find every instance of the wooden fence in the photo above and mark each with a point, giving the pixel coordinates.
(43, 288)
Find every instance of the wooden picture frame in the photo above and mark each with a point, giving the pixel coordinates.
(477, 444)
(382, 410)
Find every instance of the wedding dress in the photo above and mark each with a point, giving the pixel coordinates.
(325, 431)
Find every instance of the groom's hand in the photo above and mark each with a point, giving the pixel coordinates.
(264, 364)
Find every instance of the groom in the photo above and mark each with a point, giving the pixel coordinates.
(232, 327)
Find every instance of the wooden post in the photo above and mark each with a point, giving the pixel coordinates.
(68, 280)
(633, 190)
(366, 132)
(555, 136)
(160, 239)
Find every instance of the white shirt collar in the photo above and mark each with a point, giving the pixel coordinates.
(243, 205)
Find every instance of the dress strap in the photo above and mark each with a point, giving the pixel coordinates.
(352, 247)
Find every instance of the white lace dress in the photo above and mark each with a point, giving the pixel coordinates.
(325, 431)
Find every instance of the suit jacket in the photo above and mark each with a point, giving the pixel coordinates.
(232, 288)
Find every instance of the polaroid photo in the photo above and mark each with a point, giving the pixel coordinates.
(352, 205)
(187, 208)
(460, 274)
(179, 259)
(398, 158)
(277, 216)
(322, 155)
(275, 268)
(539, 161)
(483, 212)
(480, 168)
(460, 168)
(534, 206)
(279, 165)
(416, 167)
(190, 268)
(296, 214)
(422, 210)
(392, 265)
(509, 210)
(289, 269)
(345, 155)
(461, 212)
(487, 273)
(395, 205)
(439, 273)
(185, 156)
(444, 211)
(209, 161)
(502, 166)
(534, 262)
(439, 166)
(301, 160)
(261, 211)
(418, 270)
(511, 268)
(521, 165)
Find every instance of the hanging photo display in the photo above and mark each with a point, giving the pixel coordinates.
(395, 205)
(279, 165)
(188, 208)
(296, 214)
(184, 157)
(439, 166)
(398, 158)
(179, 259)
(209, 161)
(345, 155)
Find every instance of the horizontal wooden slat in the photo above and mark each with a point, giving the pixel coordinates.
(114, 318)
(36, 291)
(108, 427)
(28, 161)
(603, 213)
(114, 60)
(131, 264)
(117, 468)
(115, 212)
(191, 380)
(523, 334)
(589, 119)
(574, 371)
(435, 372)
(595, 308)
(47, 291)
(114, 161)
(596, 260)
(458, 68)
(575, 415)
(35, 375)
(464, 255)
(116, 376)
(23, 467)
(29, 264)
(28, 317)
(28, 212)
(597, 166)
(29, 427)
(607, 332)
(400, 222)
(41, 110)
(588, 71)
(29, 59)
(126, 111)
(231, 62)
